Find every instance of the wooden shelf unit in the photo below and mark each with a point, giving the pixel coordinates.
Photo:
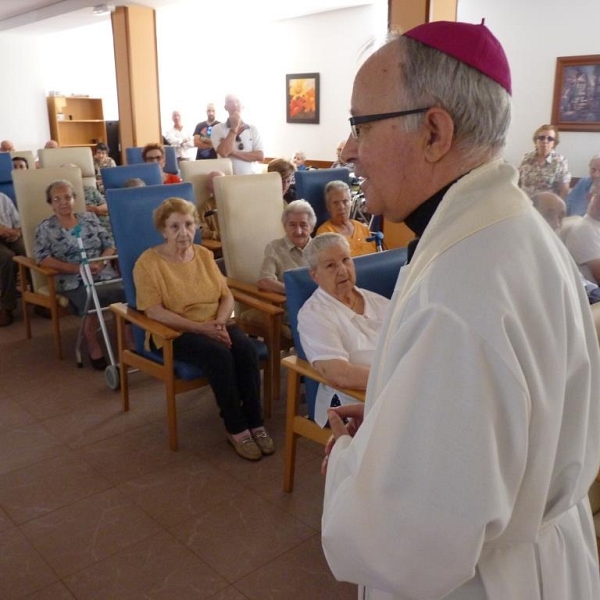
(82, 121)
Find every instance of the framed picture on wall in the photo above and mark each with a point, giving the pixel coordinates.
(576, 105)
(302, 97)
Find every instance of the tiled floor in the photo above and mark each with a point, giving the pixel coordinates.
(93, 505)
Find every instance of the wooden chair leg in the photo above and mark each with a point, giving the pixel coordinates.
(56, 328)
(170, 396)
(122, 366)
(291, 438)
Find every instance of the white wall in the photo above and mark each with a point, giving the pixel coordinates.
(534, 33)
(252, 61)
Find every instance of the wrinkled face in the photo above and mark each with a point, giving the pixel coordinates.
(155, 156)
(232, 104)
(335, 271)
(338, 205)
(210, 113)
(297, 229)
(62, 197)
(19, 165)
(298, 159)
(545, 141)
(391, 160)
(100, 155)
(595, 169)
(179, 230)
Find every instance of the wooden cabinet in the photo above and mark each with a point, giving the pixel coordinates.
(76, 121)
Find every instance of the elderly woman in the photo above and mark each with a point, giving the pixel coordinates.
(156, 153)
(298, 220)
(56, 247)
(339, 323)
(544, 170)
(578, 198)
(286, 170)
(338, 202)
(179, 284)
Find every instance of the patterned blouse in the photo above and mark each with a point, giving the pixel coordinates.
(546, 177)
(53, 240)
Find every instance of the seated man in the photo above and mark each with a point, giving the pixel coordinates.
(20, 163)
(11, 244)
(339, 324)
(7, 146)
(577, 200)
(340, 162)
(102, 161)
(583, 241)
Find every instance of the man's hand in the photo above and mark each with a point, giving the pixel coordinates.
(235, 120)
(355, 414)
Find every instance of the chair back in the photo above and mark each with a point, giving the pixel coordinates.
(375, 272)
(249, 209)
(133, 156)
(30, 189)
(310, 186)
(82, 157)
(196, 172)
(115, 177)
(6, 180)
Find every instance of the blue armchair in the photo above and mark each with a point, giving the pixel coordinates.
(6, 181)
(134, 156)
(376, 272)
(115, 177)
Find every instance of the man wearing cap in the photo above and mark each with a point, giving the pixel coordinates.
(466, 474)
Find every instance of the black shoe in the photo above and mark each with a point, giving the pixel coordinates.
(98, 363)
(42, 311)
(6, 317)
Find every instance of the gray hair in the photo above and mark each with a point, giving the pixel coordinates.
(595, 157)
(59, 183)
(299, 207)
(319, 244)
(337, 184)
(480, 108)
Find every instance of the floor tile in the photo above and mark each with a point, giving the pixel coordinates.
(301, 573)
(22, 570)
(239, 535)
(182, 490)
(5, 521)
(13, 415)
(85, 532)
(158, 567)
(230, 593)
(27, 445)
(36, 490)
(57, 591)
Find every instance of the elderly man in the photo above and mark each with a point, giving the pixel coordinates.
(180, 138)
(466, 474)
(237, 140)
(577, 200)
(203, 133)
(7, 146)
(552, 207)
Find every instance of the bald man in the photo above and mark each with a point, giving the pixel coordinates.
(552, 207)
(6, 146)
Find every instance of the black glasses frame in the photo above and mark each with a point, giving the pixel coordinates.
(363, 119)
(543, 138)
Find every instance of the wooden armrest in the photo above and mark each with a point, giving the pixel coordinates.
(303, 368)
(211, 245)
(135, 317)
(252, 290)
(29, 263)
(252, 302)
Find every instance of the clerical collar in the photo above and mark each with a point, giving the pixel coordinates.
(419, 218)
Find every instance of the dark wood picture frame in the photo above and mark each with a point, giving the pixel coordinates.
(576, 105)
(302, 98)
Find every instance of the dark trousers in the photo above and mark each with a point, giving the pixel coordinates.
(233, 374)
(8, 272)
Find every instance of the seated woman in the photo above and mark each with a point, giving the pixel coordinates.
(102, 161)
(298, 220)
(286, 170)
(56, 247)
(339, 323)
(179, 284)
(338, 201)
(156, 153)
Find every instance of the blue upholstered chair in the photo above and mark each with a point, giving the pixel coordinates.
(6, 181)
(134, 156)
(133, 228)
(310, 186)
(115, 177)
(376, 272)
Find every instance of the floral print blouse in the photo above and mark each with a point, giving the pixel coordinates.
(546, 177)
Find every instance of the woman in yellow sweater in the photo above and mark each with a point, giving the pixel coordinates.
(179, 284)
(337, 200)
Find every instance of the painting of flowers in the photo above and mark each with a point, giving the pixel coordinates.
(302, 98)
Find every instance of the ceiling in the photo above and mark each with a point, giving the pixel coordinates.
(45, 16)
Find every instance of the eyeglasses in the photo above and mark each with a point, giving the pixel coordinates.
(543, 138)
(67, 197)
(153, 158)
(240, 145)
(362, 120)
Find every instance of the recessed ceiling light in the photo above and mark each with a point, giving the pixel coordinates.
(103, 9)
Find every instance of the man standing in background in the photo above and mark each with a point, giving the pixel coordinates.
(202, 135)
(179, 137)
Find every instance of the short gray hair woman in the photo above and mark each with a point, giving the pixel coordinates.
(298, 219)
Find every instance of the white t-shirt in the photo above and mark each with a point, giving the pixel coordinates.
(330, 330)
(583, 242)
(251, 140)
